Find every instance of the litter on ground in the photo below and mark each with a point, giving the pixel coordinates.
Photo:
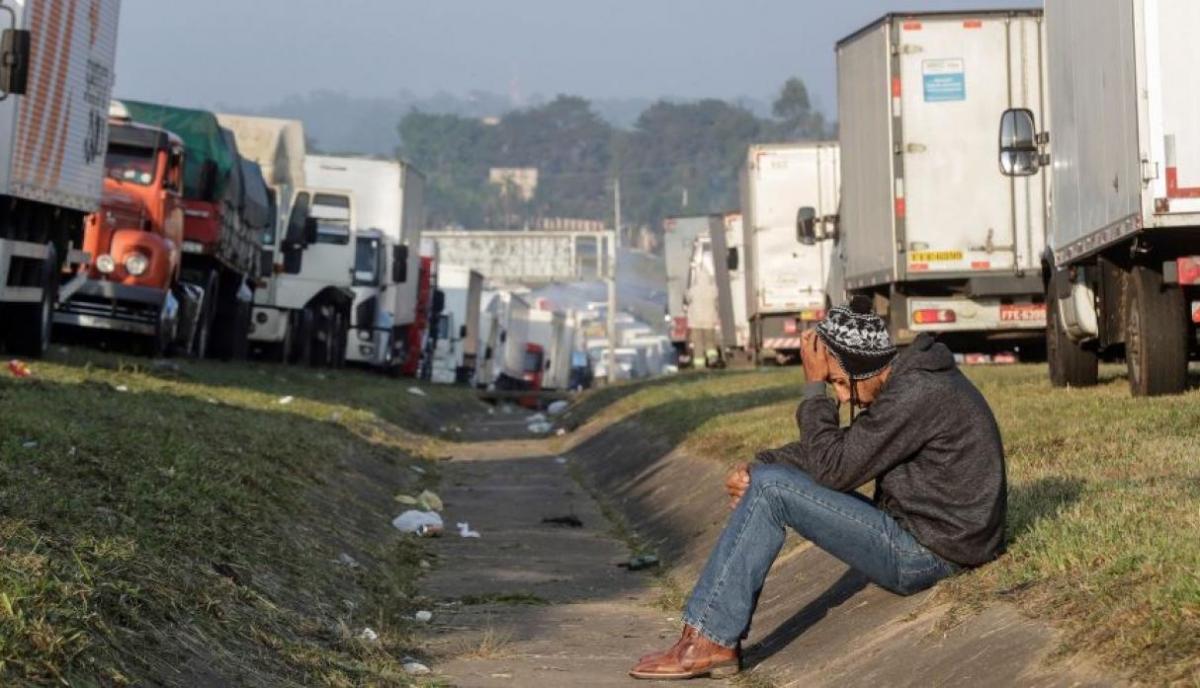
(346, 560)
(464, 530)
(415, 668)
(557, 407)
(423, 616)
(640, 562)
(430, 501)
(417, 469)
(286, 400)
(407, 500)
(417, 392)
(368, 635)
(560, 459)
(19, 369)
(570, 521)
(540, 427)
(419, 522)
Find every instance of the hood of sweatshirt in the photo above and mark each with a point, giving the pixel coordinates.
(925, 353)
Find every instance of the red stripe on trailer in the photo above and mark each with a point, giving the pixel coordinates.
(895, 87)
(911, 26)
(918, 267)
(1196, 312)
(973, 24)
(981, 265)
(901, 208)
(1174, 190)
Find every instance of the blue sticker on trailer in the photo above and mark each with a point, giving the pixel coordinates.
(944, 80)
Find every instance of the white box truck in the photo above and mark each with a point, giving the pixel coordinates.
(510, 361)
(456, 332)
(303, 300)
(736, 264)
(56, 78)
(1122, 144)
(927, 228)
(703, 301)
(388, 198)
(785, 279)
(679, 239)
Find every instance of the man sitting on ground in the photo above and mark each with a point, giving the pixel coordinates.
(926, 436)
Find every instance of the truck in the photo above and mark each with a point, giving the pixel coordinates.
(511, 361)
(222, 227)
(927, 229)
(734, 259)
(53, 136)
(1121, 148)
(456, 332)
(302, 301)
(134, 243)
(702, 304)
(785, 277)
(387, 199)
(555, 331)
(679, 238)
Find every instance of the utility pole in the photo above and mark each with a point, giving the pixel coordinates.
(612, 281)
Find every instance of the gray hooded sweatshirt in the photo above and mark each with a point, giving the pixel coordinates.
(930, 443)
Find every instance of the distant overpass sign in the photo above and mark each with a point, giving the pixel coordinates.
(530, 258)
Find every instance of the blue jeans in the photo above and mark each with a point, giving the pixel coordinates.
(845, 525)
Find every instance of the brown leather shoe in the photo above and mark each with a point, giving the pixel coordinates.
(691, 657)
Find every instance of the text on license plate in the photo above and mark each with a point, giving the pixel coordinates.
(1022, 312)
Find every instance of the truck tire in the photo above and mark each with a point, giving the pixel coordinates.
(208, 314)
(1070, 364)
(340, 332)
(29, 324)
(303, 340)
(1156, 347)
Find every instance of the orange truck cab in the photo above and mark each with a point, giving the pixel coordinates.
(135, 239)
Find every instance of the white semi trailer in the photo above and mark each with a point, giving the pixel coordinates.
(56, 78)
(927, 228)
(1122, 147)
(785, 278)
(736, 264)
(303, 300)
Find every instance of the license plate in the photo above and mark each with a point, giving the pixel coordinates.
(1022, 312)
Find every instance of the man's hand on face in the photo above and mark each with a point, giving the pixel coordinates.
(815, 357)
(737, 483)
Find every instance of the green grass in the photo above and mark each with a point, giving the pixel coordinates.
(178, 525)
(1104, 498)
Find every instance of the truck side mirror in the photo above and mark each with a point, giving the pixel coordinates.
(400, 264)
(731, 260)
(311, 231)
(806, 226)
(1019, 155)
(462, 332)
(439, 301)
(14, 60)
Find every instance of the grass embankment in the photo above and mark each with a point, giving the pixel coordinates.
(181, 525)
(1104, 499)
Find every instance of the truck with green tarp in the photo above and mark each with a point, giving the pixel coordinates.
(224, 217)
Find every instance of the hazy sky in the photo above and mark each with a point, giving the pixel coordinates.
(255, 52)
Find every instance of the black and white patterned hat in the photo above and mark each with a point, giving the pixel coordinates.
(857, 338)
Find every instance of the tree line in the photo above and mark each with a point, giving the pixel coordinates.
(677, 158)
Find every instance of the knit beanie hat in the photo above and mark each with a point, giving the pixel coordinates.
(857, 338)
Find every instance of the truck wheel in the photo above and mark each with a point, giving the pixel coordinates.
(208, 313)
(285, 347)
(340, 331)
(303, 341)
(1156, 347)
(1070, 364)
(29, 324)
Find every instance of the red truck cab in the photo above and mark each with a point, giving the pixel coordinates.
(532, 371)
(136, 237)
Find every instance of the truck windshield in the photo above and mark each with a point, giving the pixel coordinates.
(332, 213)
(366, 262)
(533, 361)
(132, 164)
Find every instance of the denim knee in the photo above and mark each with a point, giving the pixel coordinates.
(774, 473)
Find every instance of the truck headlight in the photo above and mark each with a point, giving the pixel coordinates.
(105, 263)
(136, 264)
